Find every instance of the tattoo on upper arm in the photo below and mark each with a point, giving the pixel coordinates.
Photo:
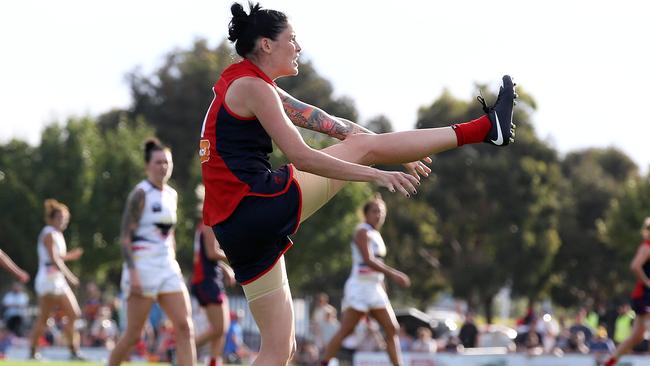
(312, 118)
(130, 220)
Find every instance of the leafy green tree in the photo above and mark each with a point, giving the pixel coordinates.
(497, 207)
(595, 177)
(619, 231)
(414, 246)
(23, 219)
(175, 98)
(91, 172)
(379, 124)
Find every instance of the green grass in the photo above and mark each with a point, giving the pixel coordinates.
(65, 363)
(74, 363)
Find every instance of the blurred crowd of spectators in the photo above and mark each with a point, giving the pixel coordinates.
(591, 331)
(594, 332)
(103, 318)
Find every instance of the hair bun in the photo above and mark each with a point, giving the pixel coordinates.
(237, 11)
(244, 29)
(238, 23)
(50, 203)
(151, 143)
(53, 206)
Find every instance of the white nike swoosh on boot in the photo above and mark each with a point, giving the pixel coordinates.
(499, 140)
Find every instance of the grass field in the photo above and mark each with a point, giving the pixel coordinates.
(64, 363)
(73, 363)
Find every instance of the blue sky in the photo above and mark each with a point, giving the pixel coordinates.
(583, 61)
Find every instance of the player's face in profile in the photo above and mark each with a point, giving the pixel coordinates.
(160, 166)
(376, 215)
(61, 220)
(287, 51)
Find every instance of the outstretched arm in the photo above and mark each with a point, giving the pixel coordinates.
(263, 101)
(313, 118)
(10, 266)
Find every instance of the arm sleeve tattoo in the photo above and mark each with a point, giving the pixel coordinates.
(315, 119)
(130, 219)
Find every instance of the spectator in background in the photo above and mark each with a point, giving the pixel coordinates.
(549, 329)
(5, 341)
(424, 342)
(92, 303)
(405, 339)
(89, 309)
(306, 353)
(166, 347)
(103, 330)
(321, 308)
(592, 318)
(15, 303)
(532, 343)
(468, 333)
(623, 324)
(601, 345)
(235, 349)
(327, 328)
(580, 325)
(577, 343)
(371, 339)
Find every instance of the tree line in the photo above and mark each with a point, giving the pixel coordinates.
(546, 225)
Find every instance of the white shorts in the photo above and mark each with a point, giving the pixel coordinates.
(363, 295)
(50, 282)
(156, 278)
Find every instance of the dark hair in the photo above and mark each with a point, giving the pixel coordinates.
(244, 29)
(150, 145)
(374, 201)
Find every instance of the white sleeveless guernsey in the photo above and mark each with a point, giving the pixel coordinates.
(364, 289)
(152, 239)
(377, 248)
(152, 244)
(49, 280)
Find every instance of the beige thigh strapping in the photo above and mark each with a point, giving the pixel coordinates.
(267, 283)
(316, 191)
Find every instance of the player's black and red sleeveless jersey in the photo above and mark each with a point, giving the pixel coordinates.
(234, 152)
(204, 267)
(640, 287)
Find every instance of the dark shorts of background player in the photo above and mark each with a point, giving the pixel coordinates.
(257, 233)
(641, 305)
(209, 292)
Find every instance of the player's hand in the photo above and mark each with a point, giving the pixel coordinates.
(74, 254)
(23, 276)
(419, 168)
(229, 277)
(401, 279)
(73, 280)
(397, 181)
